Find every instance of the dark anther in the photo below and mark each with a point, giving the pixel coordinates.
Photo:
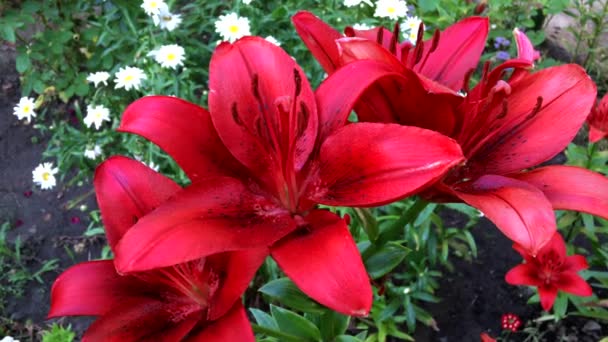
(503, 112)
(349, 31)
(303, 119)
(379, 38)
(539, 104)
(418, 51)
(298, 81)
(254, 87)
(467, 80)
(235, 115)
(393, 47)
(435, 41)
(420, 33)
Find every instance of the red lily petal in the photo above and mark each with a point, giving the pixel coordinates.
(486, 338)
(523, 274)
(184, 130)
(460, 47)
(240, 268)
(596, 134)
(518, 209)
(573, 283)
(319, 38)
(576, 263)
(571, 188)
(262, 106)
(126, 190)
(91, 289)
(234, 326)
(337, 95)
(136, 321)
(547, 296)
(353, 49)
(373, 34)
(527, 136)
(324, 263)
(214, 216)
(384, 163)
(555, 246)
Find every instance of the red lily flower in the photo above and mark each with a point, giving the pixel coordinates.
(598, 121)
(550, 270)
(433, 71)
(486, 338)
(268, 152)
(503, 127)
(192, 301)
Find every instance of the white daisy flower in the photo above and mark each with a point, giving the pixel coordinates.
(96, 115)
(152, 7)
(167, 20)
(352, 3)
(411, 24)
(232, 27)
(273, 40)
(412, 37)
(44, 175)
(92, 153)
(247, 2)
(25, 109)
(99, 77)
(169, 56)
(393, 9)
(362, 27)
(129, 77)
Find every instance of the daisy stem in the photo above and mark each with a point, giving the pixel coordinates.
(73, 203)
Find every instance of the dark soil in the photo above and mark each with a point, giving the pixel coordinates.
(474, 296)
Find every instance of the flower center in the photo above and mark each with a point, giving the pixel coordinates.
(391, 10)
(167, 18)
(46, 176)
(26, 109)
(233, 29)
(170, 56)
(129, 78)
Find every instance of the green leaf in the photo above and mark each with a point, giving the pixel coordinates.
(346, 338)
(333, 324)
(287, 293)
(294, 324)
(384, 260)
(428, 5)
(264, 319)
(22, 62)
(8, 33)
(560, 305)
(369, 223)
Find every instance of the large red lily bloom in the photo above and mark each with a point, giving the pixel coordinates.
(433, 71)
(598, 121)
(193, 301)
(503, 127)
(266, 154)
(551, 271)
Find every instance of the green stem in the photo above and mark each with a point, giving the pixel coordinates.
(409, 216)
(591, 152)
(599, 27)
(274, 333)
(73, 203)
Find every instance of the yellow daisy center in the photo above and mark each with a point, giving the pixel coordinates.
(233, 28)
(26, 109)
(391, 10)
(170, 56)
(46, 176)
(129, 78)
(153, 4)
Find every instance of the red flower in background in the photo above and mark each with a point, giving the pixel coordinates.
(503, 127)
(197, 300)
(550, 270)
(510, 322)
(598, 121)
(266, 154)
(486, 338)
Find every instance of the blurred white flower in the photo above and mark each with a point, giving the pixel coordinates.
(44, 175)
(152, 7)
(393, 9)
(411, 24)
(129, 77)
(362, 27)
(351, 3)
(25, 109)
(273, 40)
(169, 56)
(153, 166)
(167, 20)
(98, 77)
(92, 153)
(232, 27)
(247, 2)
(96, 115)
